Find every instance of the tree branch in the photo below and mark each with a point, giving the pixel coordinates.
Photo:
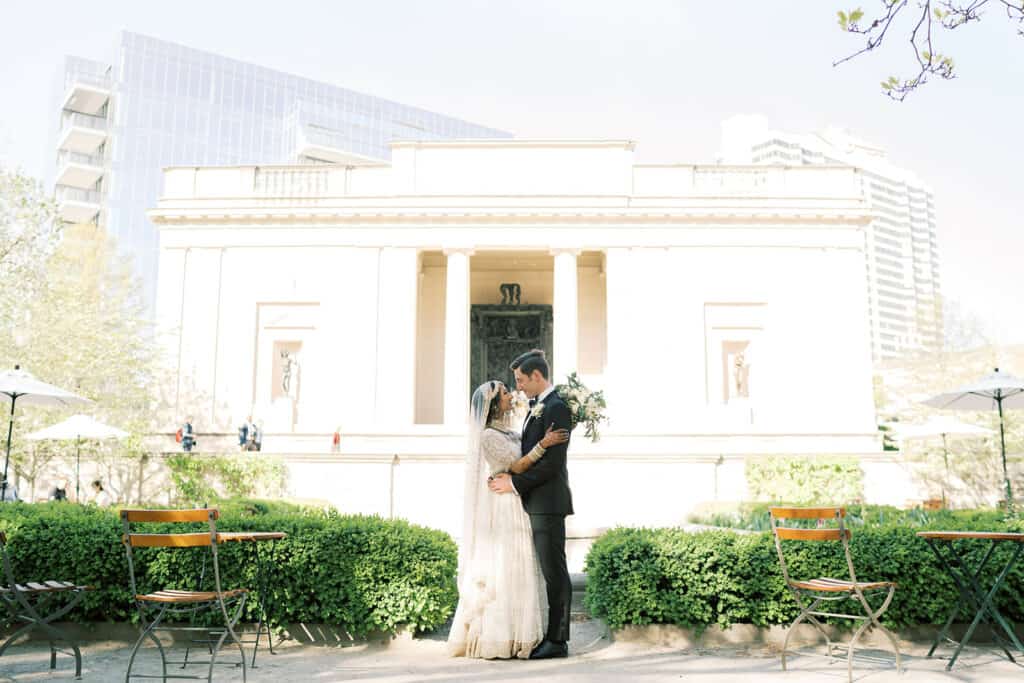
(947, 14)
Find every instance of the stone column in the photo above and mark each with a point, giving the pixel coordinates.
(456, 337)
(566, 311)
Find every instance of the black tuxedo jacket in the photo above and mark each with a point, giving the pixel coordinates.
(544, 488)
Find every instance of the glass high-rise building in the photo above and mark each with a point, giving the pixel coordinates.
(159, 104)
(901, 249)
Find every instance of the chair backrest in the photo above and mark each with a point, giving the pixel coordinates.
(191, 539)
(782, 532)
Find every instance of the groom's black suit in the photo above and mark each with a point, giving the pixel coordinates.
(544, 490)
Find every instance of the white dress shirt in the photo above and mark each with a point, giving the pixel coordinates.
(540, 398)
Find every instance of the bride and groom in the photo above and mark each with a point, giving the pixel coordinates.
(514, 585)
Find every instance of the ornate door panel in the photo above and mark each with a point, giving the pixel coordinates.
(499, 333)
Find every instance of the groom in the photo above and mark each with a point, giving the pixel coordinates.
(544, 490)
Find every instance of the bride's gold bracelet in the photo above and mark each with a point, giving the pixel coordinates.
(537, 453)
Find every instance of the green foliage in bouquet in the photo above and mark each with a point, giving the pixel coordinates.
(587, 407)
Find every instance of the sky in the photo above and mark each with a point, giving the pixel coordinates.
(662, 72)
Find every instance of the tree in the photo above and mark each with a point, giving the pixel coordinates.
(76, 320)
(29, 233)
(963, 329)
(929, 18)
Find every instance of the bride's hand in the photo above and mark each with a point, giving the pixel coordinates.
(553, 437)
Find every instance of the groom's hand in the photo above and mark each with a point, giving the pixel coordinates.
(501, 484)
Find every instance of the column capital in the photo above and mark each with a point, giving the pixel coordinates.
(468, 251)
(556, 251)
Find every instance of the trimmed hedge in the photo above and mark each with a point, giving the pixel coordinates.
(753, 516)
(361, 573)
(669, 576)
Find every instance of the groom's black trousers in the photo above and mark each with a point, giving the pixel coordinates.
(549, 540)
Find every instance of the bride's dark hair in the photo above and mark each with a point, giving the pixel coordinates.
(494, 407)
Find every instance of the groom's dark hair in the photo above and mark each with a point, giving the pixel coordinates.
(530, 361)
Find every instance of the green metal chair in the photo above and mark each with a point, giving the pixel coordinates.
(811, 593)
(37, 606)
(155, 607)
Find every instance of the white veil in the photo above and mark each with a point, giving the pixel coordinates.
(476, 520)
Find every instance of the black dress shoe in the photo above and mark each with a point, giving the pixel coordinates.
(550, 650)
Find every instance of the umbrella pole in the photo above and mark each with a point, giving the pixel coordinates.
(945, 459)
(7, 458)
(1002, 445)
(78, 469)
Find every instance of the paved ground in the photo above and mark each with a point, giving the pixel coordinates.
(594, 658)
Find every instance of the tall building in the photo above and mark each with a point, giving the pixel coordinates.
(158, 104)
(904, 302)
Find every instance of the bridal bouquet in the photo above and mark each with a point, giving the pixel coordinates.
(587, 406)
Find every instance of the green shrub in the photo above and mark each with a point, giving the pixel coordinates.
(669, 576)
(361, 573)
(753, 516)
(805, 480)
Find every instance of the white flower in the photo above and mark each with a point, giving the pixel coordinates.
(537, 411)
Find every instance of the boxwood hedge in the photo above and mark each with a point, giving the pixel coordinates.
(360, 573)
(670, 576)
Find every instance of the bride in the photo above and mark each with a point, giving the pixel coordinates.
(503, 608)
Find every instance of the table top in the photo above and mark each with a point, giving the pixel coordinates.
(251, 536)
(981, 535)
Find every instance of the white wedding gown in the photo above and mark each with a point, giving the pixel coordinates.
(502, 612)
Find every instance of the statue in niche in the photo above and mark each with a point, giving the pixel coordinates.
(741, 376)
(510, 293)
(287, 366)
(511, 329)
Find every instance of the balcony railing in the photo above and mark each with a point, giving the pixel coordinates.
(74, 194)
(85, 120)
(97, 80)
(77, 158)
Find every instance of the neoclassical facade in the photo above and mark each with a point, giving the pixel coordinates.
(720, 308)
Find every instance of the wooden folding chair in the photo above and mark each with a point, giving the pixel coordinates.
(809, 594)
(155, 607)
(36, 605)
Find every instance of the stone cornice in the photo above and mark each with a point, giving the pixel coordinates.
(519, 143)
(198, 217)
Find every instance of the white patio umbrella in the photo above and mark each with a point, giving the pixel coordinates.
(18, 385)
(78, 427)
(943, 426)
(999, 390)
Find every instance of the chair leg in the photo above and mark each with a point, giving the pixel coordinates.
(804, 615)
(229, 630)
(147, 632)
(27, 628)
(873, 615)
(852, 646)
(55, 636)
(213, 657)
(821, 630)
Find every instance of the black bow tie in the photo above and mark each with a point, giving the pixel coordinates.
(533, 402)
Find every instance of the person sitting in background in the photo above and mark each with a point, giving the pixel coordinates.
(257, 436)
(99, 495)
(59, 490)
